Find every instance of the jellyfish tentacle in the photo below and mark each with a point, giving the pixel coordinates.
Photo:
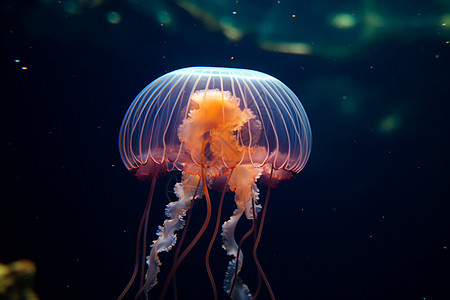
(208, 202)
(216, 229)
(243, 183)
(258, 239)
(175, 212)
(188, 248)
(144, 235)
(180, 243)
(208, 216)
(241, 242)
(202, 229)
(144, 219)
(250, 231)
(232, 249)
(255, 236)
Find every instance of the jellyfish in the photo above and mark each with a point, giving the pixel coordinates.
(224, 129)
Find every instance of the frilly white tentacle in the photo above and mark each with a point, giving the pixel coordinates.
(175, 212)
(230, 246)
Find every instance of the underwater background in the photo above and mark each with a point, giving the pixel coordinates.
(367, 218)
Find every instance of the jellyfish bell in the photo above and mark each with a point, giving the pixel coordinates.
(225, 129)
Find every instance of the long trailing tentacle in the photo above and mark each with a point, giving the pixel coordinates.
(144, 235)
(144, 219)
(177, 253)
(258, 239)
(232, 249)
(252, 229)
(255, 236)
(241, 242)
(243, 183)
(175, 212)
(180, 243)
(213, 238)
(202, 229)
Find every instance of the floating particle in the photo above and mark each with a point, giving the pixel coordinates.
(343, 20)
(113, 17)
(390, 123)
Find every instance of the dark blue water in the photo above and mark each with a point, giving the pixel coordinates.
(368, 217)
